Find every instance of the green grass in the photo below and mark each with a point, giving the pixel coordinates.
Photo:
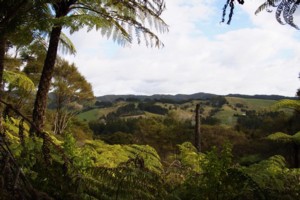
(95, 114)
(227, 115)
(252, 104)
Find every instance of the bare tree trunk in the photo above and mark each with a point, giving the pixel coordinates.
(61, 121)
(197, 128)
(40, 105)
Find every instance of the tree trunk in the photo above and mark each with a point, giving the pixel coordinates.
(296, 155)
(197, 129)
(2, 55)
(40, 105)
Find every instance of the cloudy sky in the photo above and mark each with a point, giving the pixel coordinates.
(254, 55)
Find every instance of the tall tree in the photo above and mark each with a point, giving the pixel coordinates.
(69, 90)
(19, 20)
(116, 19)
(283, 137)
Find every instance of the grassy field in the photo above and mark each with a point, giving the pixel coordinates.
(251, 104)
(226, 115)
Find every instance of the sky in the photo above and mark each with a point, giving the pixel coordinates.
(253, 55)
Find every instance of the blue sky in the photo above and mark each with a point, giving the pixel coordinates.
(253, 55)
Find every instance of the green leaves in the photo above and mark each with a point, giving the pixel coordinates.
(190, 157)
(288, 103)
(283, 137)
(120, 20)
(18, 80)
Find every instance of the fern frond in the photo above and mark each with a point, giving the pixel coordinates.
(262, 7)
(66, 45)
(283, 137)
(114, 17)
(248, 183)
(290, 19)
(279, 136)
(286, 8)
(18, 80)
(265, 173)
(287, 103)
(124, 182)
(296, 138)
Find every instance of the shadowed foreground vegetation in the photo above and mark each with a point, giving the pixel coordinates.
(149, 158)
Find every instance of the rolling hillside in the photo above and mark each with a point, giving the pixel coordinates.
(184, 110)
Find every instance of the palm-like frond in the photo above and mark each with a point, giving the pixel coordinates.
(229, 3)
(18, 80)
(284, 9)
(279, 136)
(266, 6)
(283, 137)
(66, 45)
(118, 19)
(279, 11)
(128, 181)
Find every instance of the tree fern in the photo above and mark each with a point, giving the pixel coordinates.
(111, 17)
(293, 140)
(275, 179)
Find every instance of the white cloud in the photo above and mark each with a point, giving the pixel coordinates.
(260, 59)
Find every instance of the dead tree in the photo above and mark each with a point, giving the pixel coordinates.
(197, 128)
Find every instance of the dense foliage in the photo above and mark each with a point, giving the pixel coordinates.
(138, 148)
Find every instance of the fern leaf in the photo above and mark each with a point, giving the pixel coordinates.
(279, 12)
(290, 20)
(279, 136)
(66, 44)
(262, 7)
(18, 80)
(296, 138)
(287, 103)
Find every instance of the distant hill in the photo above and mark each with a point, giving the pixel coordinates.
(224, 108)
(186, 97)
(176, 98)
(261, 96)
